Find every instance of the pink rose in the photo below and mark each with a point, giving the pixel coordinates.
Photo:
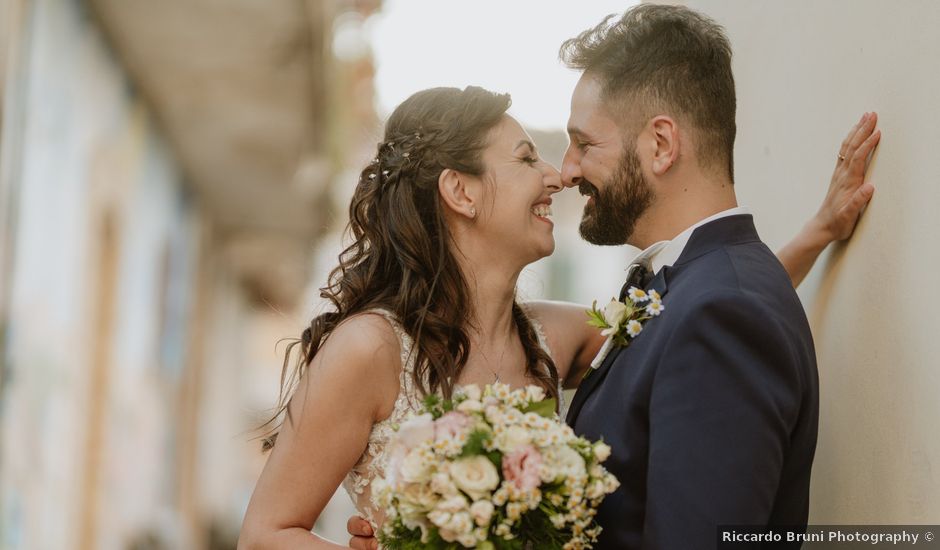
(521, 468)
(453, 426)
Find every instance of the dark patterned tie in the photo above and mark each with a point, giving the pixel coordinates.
(638, 275)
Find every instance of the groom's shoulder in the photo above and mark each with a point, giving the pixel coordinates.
(745, 277)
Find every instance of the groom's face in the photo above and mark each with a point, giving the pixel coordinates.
(603, 164)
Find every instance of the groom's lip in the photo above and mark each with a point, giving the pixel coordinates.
(587, 189)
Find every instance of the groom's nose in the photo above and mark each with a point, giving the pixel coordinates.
(571, 168)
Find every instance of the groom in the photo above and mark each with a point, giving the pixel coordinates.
(712, 412)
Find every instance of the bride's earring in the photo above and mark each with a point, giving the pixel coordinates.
(473, 212)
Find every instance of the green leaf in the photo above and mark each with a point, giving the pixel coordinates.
(598, 324)
(544, 408)
(476, 443)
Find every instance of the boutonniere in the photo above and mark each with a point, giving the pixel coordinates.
(621, 322)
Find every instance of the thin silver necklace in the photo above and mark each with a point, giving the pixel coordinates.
(499, 369)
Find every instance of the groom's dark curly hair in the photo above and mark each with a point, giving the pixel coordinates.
(660, 59)
(401, 258)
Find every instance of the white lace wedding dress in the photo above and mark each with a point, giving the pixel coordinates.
(372, 462)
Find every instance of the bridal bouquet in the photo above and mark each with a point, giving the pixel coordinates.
(491, 468)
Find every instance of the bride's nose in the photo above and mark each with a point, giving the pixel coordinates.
(551, 177)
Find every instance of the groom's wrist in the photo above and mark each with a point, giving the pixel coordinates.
(817, 234)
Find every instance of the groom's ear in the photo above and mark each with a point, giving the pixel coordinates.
(665, 134)
(456, 192)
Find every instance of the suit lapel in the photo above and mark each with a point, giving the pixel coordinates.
(593, 379)
(587, 386)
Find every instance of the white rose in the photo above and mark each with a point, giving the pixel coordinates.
(534, 393)
(472, 391)
(513, 438)
(454, 504)
(568, 460)
(442, 485)
(614, 313)
(482, 512)
(475, 476)
(419, 495)
(416, 430)
(414, 468)
(601, 451)
(470, 406)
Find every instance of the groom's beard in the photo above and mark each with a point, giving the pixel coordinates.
(612, 218)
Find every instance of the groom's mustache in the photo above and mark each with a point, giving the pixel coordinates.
(587, 189)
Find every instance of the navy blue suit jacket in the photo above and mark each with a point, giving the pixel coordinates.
(712, 411)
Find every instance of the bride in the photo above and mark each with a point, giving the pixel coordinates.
(456, 203)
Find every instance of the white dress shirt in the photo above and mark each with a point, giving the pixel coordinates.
(665, 253)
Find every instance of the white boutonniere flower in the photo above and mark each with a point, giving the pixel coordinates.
(621, 322)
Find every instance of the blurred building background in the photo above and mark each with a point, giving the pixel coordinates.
(168, 169)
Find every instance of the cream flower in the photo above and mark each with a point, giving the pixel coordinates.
(414, 468)
(567, 461)
(654, 296)
(472, 391)
(482, 512)
(416, 430)
(614, 313)
(601, 451)
(476, 476)
(443, 485)
(534, 393)
(513, 438)
(634, 328)
(470, 406)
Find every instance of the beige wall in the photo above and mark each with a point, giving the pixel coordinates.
(805, 72)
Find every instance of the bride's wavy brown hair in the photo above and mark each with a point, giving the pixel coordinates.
(401, 258)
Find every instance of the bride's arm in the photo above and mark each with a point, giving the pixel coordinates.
(574, 343)
(847, 196)
(325, 436)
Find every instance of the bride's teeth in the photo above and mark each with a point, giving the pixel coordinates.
(542, 210)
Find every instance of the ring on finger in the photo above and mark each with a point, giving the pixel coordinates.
(841, 157)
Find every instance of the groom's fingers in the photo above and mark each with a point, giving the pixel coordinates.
(850, 213)
(863, 132)
(844, 147)
(859, 161)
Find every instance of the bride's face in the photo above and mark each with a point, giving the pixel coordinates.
(515, 213)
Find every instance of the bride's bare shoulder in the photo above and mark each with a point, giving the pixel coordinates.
(368, 335)
(362, 352)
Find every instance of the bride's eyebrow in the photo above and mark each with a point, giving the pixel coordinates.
(524, 142)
